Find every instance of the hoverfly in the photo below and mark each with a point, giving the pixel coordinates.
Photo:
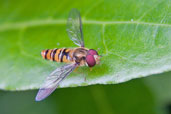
(80, 56)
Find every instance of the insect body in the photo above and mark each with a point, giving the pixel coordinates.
(58, 55)
(66, 55)
(75, 57)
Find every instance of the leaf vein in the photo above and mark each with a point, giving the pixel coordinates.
(103, 39)
(23, 52)
(35, 23)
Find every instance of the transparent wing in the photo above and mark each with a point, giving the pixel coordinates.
(53, 80)
(74, 28)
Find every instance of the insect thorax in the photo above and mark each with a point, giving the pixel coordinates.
(79, 55)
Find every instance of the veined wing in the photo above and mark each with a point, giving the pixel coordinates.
(74, 28)
(53, 80)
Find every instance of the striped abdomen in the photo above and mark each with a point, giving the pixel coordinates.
(58, 55)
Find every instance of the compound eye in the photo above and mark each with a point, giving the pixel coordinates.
(92, 52)
(90, 60)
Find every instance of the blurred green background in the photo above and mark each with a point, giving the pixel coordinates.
(150, 95)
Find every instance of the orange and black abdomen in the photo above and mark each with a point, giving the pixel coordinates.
(58, 55)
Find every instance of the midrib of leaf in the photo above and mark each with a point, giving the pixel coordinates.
(20, 25)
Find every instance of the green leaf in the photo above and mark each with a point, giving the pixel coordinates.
(132, 36)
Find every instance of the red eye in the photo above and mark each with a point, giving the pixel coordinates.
(92, 52)
(90, 60)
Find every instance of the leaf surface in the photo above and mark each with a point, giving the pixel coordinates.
(134, 38)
